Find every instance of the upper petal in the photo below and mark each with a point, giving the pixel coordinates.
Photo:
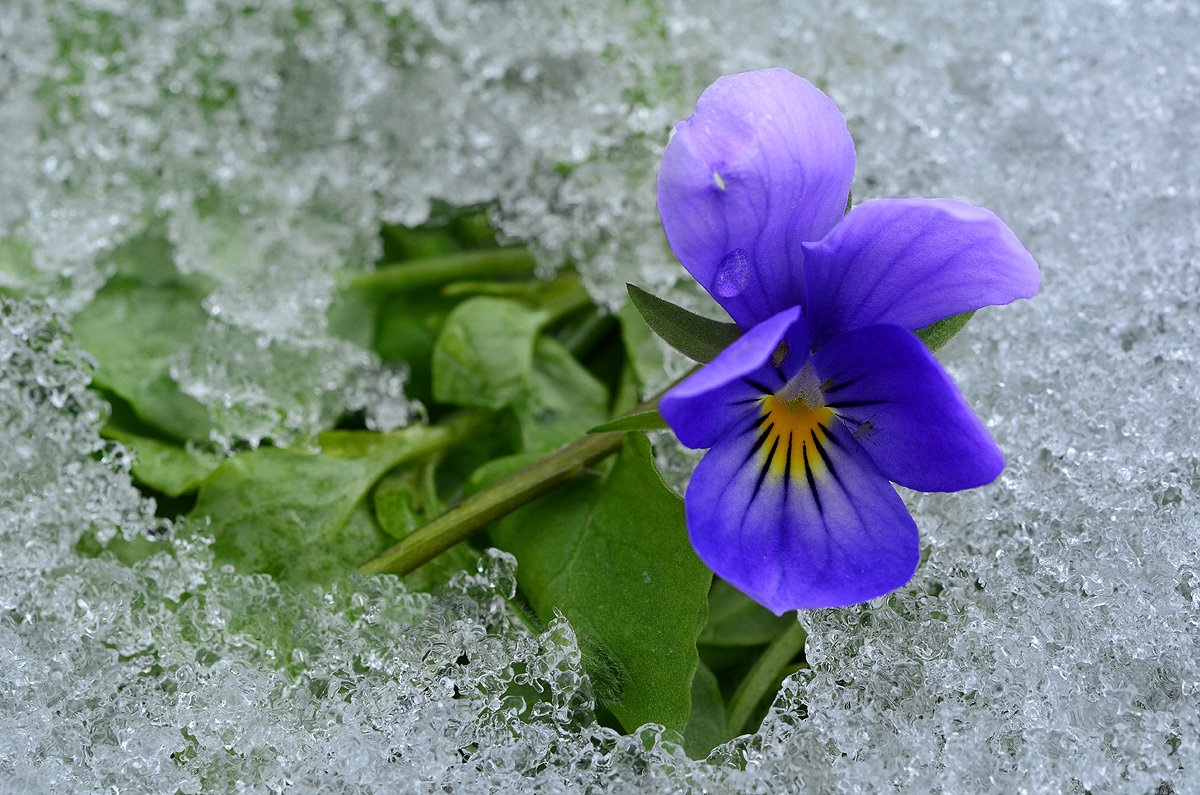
(799, 518)
(905, 411)
(764, 164)
(912, 262)
(704, 406)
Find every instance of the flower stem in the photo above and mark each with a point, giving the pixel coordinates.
(502, 498)
(485, 507)
(432, 271)
(763, 677)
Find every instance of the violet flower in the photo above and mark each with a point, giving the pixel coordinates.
(828, 395)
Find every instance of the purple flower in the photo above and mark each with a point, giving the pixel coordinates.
(828, 395)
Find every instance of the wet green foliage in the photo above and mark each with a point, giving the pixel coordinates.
(510, 368)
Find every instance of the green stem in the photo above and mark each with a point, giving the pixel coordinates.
(502, 498)
(432, 271)
(763, 677)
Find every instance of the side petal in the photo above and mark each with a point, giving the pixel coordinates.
(799, 523)
(764, 164)
(704, 406)
(905, 411)
(912, 262)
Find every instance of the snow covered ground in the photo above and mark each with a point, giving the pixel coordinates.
(1049, 641)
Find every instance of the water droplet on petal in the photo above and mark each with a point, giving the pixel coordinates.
(732, 274)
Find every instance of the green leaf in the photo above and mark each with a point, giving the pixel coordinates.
(287, 512)
(484, 355)
(937, 334)
(696, 337)
(611, 553)
(641, 421)
(706, 726)
(165, 466)
(753, 695)
(399, 502)
(491, 354)
(735, 619)
(562, 399)
(133, 327)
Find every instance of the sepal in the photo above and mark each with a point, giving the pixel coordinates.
(698, 338)
(938, 333)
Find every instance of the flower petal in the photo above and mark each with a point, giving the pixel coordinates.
(906, 411)
(799, 523)
(764, 164)
(912, 262)
(705, 405)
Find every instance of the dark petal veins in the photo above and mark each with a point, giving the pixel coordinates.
(758, 443)
(766, 467)
(787, 467)
(837, 387)
(838, 536)
(759, 386)
(758, 422)
(812, 483)
(850, 404)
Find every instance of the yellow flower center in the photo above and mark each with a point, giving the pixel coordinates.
(791, 447)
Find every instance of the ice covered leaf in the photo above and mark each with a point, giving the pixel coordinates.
(134, 326)
(287, 512)
(611, 553)
(163, 465)
(354, 316)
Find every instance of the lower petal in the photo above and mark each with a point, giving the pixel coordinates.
(797, 516)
